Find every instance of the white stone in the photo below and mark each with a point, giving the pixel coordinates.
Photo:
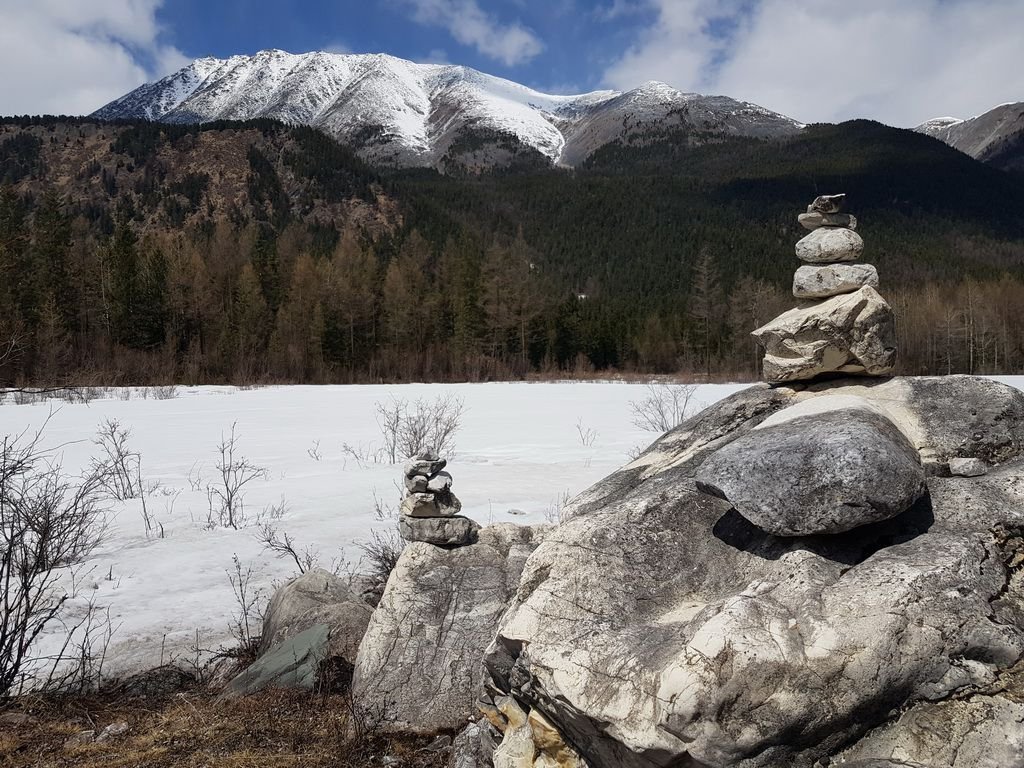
(852, 333)
(828, 245)
(823, 281)
(961, 467)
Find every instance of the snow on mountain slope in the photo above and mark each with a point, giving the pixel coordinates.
(401, 112)
(996, 137)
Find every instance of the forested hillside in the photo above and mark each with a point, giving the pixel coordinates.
(258, 252)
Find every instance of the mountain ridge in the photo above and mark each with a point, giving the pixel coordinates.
(401, 113)
(995, 137)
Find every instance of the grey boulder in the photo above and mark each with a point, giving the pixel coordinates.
(420, 660)
(852, 333)
(426, 463)
(821, 473)
(828, 245)
(439, 531)
(317, 597)
(294, 663)
(816, 220)
(823, 281)
(655, 626)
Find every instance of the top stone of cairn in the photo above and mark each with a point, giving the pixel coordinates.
(827, 204)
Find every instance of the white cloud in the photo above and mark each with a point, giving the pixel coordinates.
(72, 56)
(469, 24)
(821, 60)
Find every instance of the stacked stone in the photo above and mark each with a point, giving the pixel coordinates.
(430, 511)
(845, 327)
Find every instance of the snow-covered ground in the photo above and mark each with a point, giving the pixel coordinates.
(520, 448)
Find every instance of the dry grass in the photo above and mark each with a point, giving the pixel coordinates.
(194, 730)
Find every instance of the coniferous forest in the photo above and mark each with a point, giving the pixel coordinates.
(256, 252)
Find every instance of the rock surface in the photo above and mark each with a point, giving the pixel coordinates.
(655, 626)
(829, 245)
(421, 655)
(852, 333)
(317, 597)
(820, 473)
(440, 531)
(294, 663)
(960, 467)
(821, 282)
(982, 730)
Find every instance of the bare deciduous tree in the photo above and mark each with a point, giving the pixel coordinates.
(665, 407)
(118, 465)
(49, 521)
(235, 472)
(408, 428)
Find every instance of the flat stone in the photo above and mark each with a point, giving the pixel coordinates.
(440, 531)
(420, 505)
(852, 333)
(827, 204)
(822, 473)
(816, 220)
(823, 281)
(829, 245)
(961, 467)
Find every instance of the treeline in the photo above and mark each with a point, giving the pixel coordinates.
(283, 258)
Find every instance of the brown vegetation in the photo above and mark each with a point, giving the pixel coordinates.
(195, 730)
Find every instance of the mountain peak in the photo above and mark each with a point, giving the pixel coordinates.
(397, 111)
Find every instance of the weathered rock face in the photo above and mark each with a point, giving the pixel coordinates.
(984, 730)
(852, 333)
(421, 655)
(820, 473)
(821, 282)
(830, 244)
(317, 597)
(656, 627)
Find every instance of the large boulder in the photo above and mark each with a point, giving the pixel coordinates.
(656, 626)
(814, 473)
(420, 660)
(317, 597)
(851, 333)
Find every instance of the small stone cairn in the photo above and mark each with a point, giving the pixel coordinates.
(430, 511)
(843, 325)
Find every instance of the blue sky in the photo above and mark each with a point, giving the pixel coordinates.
(575, 41)
(814, 60)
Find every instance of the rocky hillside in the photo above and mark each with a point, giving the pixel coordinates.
(401, 113)
(996, 137)
(170, 176)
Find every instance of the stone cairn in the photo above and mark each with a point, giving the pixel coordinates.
(430, 511)
(843, 325)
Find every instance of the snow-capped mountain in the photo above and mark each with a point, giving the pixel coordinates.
(397, 111)
(996, 137)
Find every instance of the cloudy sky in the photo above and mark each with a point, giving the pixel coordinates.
(898, 61)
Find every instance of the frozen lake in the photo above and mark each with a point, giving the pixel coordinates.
(522, 447)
